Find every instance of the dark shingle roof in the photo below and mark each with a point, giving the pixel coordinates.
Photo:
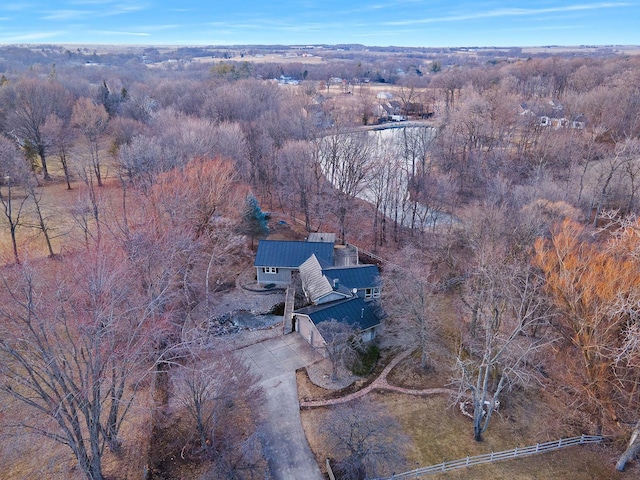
(353, 311)
(357, 276)
(291, 254)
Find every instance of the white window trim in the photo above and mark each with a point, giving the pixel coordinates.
(373, 292)
(270, 270)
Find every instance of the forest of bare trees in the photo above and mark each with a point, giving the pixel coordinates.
(508, 202)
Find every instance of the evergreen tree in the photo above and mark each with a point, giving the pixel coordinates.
(254, 221)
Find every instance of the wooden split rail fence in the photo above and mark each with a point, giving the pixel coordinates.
(497, 456)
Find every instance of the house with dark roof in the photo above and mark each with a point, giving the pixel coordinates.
(335, 286)
(322, 285)
(354, 311)
(316, 286)
(277, 259)
(361, 280)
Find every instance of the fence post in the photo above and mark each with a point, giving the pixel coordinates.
(492, 456)
(582, 438)
(467, 460)
(537, 447)
(559, 443)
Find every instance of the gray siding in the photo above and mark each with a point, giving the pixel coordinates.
(282, 277)
(331, 297)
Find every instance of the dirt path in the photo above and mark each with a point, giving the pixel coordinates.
(379, 383)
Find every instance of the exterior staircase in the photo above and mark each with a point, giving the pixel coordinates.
(288, 309)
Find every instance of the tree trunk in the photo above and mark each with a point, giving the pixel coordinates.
(14, 243)
(632, 450)
(43, 159)
(477, 427)
(65, 169)
(478, 415)
(42, 226)
(95, 469)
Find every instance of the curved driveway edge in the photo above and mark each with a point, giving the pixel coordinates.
(285, 444)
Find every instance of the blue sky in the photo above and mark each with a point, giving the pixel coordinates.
(429, 23)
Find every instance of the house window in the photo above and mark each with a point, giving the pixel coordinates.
(372, 292)
(269, 269)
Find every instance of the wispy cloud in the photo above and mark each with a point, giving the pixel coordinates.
(163, 27)
(18, 7)
(274, 26)
(63, 15)
(509, 12)
(121, 8)
(113, 32)
(83, 14)
(545, 28)
(31, 37)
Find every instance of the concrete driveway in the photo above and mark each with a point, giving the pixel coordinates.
(285, 444)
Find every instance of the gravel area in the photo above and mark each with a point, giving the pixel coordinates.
(247, 295)
(241, 299)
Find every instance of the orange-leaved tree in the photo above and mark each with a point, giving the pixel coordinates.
(593, 278)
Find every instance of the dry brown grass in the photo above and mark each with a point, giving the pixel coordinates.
(57, 204)
(30, 456)
(438, 431)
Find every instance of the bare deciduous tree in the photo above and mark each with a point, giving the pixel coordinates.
(624, 156)
(369, 441)
(502, 294)
(345, 163)
(74, 355)
(195, 195)
(498, 355)
(409, 300)
(219, 393)
(32, 102)
(13, 196)
(341, 343)
(42, 220)
(301, 181)
(141, 161)
(59, 136)
(91, 120)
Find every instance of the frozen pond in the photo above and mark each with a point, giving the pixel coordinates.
(396, 156)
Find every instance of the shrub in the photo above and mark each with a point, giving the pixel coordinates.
(367, 359)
